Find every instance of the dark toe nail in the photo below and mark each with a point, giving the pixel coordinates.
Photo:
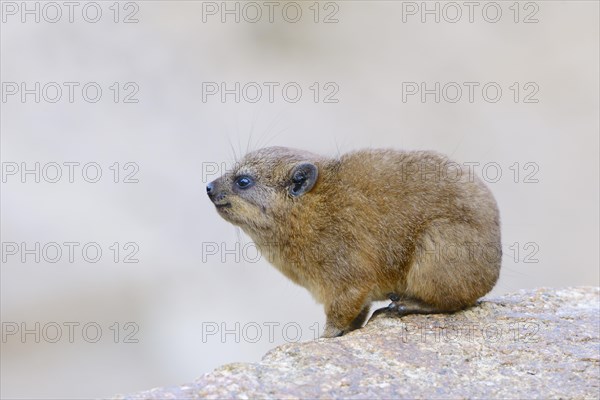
(393, 297)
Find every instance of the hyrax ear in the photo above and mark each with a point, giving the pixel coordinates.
(303, 178)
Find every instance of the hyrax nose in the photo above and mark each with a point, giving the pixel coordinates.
(214, 192)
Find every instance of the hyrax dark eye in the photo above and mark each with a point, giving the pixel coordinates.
(244, 182)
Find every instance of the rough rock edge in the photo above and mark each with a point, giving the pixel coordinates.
(542, 343)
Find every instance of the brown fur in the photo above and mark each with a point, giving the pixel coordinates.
(375, 222)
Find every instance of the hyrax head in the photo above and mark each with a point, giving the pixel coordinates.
(261, 189)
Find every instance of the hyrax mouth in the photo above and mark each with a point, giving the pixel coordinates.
(223, 205)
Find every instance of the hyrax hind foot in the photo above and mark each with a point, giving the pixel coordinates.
(401, 306)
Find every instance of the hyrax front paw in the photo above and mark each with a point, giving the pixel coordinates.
(345, 313)
(331, 332)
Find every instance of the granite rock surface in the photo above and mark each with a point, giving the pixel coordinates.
(540, 343)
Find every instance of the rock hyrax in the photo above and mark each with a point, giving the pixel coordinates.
(410, 226)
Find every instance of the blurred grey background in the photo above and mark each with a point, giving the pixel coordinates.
(190, 284)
